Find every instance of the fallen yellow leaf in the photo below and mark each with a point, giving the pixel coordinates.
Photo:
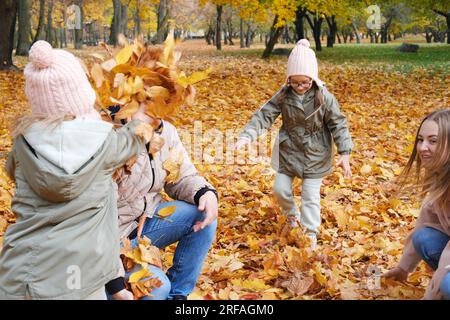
(124, 55)
(138, 275)
(167, 211)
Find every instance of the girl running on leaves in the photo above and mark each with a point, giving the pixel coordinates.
(312, 122)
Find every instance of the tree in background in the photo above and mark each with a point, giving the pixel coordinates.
(219, 4)
(24, 40)
(8, 9)
(163, 17)
(438, 7)
(274, 21)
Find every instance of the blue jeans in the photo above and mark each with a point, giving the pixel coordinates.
(429, 244)
(445, 286)
(192, 247)
(160, 293)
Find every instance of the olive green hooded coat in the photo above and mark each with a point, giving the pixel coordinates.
(304, 147)
(64, 244)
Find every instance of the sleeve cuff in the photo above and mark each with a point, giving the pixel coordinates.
(115, 285)
(201, 192)
(113, 111)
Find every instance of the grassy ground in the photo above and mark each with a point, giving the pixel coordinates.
(433, 57)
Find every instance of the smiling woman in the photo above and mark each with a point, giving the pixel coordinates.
(427, 141)
(430, 239)
(431, 157)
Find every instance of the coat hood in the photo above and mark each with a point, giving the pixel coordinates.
(60, 161)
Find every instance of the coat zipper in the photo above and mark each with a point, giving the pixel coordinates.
(153, 170)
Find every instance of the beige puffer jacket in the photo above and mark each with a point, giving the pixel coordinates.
(141, 189)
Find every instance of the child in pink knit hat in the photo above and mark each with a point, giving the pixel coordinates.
(312, 122)
(64, 243)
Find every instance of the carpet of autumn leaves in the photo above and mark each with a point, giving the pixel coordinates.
(255, 255)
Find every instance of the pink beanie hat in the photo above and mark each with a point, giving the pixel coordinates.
(56, 83)
(302, 62)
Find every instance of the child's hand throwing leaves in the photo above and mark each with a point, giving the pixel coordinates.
(344, 162)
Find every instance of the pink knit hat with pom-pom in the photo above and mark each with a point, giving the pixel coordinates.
(303, 62)
(56, 83)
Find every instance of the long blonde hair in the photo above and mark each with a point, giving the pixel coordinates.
(434, 181)
(23, 123)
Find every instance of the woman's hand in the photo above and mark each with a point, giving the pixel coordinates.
(396, 273)
(344, 162)
(207, 203)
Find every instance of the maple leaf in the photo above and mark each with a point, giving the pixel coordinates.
(138, 275)
(255, 284)
(298, 284)
(124, 55)
(150, 253)
(166, 211)
(145, 287)
(145, 131)
(349, 292)
(97, 75)
(172, 165)
(128, 111)
(273, 263)
(169, 45)
(365, 169)
(194, 78)
(156, 143)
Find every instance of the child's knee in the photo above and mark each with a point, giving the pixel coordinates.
(311, 194)
(282, 192)
(419, 239)
(162, 292)
(445, 286)
(188, 209)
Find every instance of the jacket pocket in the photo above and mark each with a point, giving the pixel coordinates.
(315, 144)
(283, 140)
